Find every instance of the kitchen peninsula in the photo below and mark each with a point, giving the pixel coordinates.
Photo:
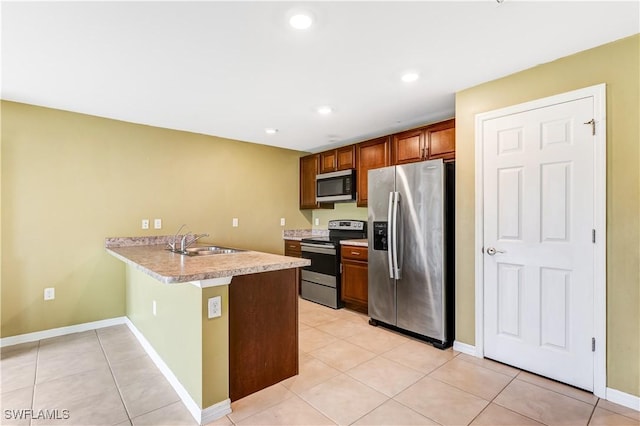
(225, 325)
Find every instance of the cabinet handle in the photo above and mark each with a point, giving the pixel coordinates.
(355, 253)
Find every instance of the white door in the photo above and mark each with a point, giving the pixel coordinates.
(538, 249)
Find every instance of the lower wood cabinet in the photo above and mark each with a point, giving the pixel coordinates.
(292, 248)
(263, 331)
(355, 284)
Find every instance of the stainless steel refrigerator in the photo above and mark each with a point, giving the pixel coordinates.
(411, 238)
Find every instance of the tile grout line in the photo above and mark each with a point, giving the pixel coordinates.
(115, 381)
(554, 391)
(377, 355)
(406, 406)
(494, 398)
(35, 380)
(593, 411)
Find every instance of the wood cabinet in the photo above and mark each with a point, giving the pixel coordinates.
(408, 147)
(308, 172)
(263, 341)
(342, 158)
(292, 248)
(441, 140)
(309, 166)
(426, 143)
(371, 154)
(355, 284)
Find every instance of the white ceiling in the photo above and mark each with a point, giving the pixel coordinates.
(232, 69)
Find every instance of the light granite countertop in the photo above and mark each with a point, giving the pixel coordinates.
(299, 234)
(151, 257)
(359, 243)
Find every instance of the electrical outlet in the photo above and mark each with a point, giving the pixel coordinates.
(157, 223)
(49, 293)
(282, 221)
(215, 307)
(234, 222)
(317, 221)
(145, 223)
(153, 308)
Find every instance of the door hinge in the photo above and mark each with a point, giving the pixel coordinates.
(593, 126)
(341, 268)
(593, 344)
(593, 236)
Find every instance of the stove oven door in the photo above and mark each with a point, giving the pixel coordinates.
(320, 280)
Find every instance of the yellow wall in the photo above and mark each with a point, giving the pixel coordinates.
(194, 347)
(340, 211)
(617, 65)
(70, 180)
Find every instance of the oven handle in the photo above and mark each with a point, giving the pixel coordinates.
(318, 248)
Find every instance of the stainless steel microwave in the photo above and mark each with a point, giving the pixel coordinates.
(336, 186)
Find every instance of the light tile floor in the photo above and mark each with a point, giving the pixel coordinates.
(350, 373)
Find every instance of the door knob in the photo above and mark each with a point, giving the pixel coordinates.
(491, 251)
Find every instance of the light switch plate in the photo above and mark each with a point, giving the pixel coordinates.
(282, 221)
(234, 222)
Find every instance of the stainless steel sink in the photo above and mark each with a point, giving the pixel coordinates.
(209, 250)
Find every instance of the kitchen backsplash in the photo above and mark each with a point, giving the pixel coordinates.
(341, 211)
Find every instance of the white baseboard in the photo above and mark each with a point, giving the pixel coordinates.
(61, 331)
(464, 348)
(205, 416)
(622, 398)
(215, 412)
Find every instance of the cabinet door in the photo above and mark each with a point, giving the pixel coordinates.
(408, 147)
(372, 154)
(355, 290)
(308, 172)
(328, 160)
(441, 139)
(346, 157)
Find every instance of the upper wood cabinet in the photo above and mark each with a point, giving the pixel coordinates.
(342, 158)
(441, 140)
(425, 143)
(309, 166)
(372, 154)
(408, 147)
(308, 171)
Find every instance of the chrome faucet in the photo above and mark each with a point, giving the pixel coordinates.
(184, 241)
(172, 245)
(184, 244)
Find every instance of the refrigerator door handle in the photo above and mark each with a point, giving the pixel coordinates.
(394, 231)
(389, 236)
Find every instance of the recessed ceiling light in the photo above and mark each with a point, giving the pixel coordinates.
(324, 110)
(410, 77)
(301, 21)
(271, 131)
